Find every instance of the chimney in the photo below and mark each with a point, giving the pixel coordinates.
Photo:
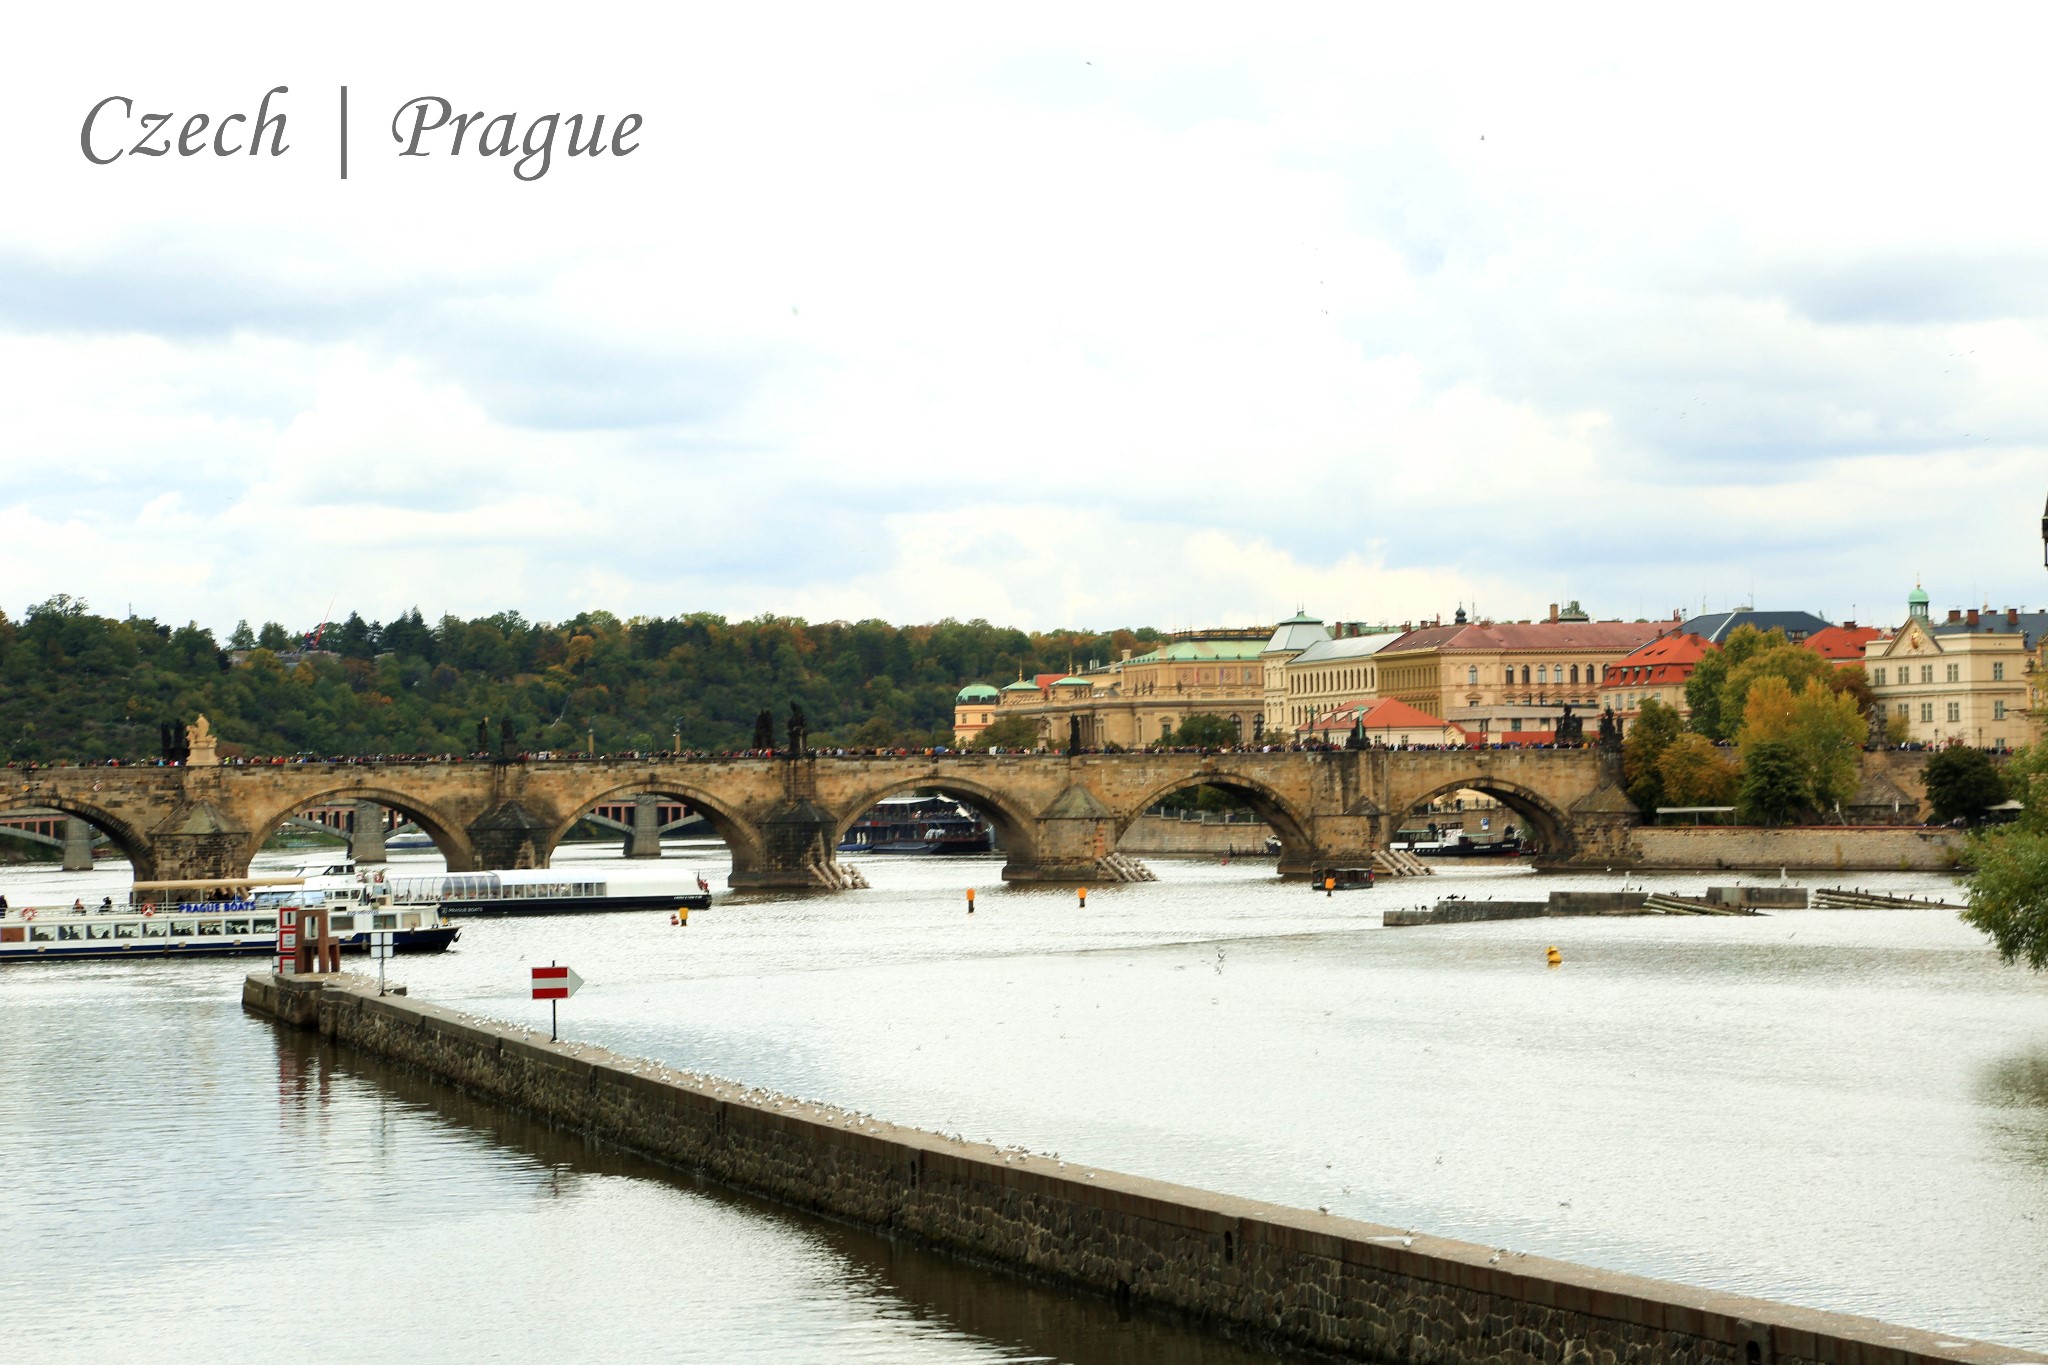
(1126, 657)
(1955, 614)
(1553, 613)
(1973, 616)
(2012, 616)
(1848, 625)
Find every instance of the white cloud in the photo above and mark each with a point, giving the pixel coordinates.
(1074, 317)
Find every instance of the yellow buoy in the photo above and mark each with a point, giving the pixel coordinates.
(1084, 898)
(1552, 956)
(970, 900)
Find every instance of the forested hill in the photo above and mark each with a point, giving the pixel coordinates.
(74, 685)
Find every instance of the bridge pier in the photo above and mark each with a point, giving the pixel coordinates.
(366, 833)
(77, 845)
(507, 838)
(644, 839)
(798, 852)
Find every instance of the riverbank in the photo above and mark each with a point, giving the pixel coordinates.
(1259, 1270)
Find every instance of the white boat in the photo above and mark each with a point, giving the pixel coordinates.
(221, 917)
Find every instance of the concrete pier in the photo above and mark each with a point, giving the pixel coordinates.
(77, 845)
(644, 840)
(1262, 1272)
(366, 833)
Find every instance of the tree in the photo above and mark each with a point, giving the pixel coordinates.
(2009, 893)
(1962, 783)
(1827, 733)
(1796, 664)
(243, 638)
(1697, 772)
(1656, 726)
(1771, 792)
(1203, 731)
(1703, 687)
(1897, 729)
(1007, 732)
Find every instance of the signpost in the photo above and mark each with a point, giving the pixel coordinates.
(380, 948)
(554, 984)
(287, 941)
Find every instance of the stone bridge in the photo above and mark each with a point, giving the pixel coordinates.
(1056, 815)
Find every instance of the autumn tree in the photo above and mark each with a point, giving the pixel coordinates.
(1697, 772)
(1656, 726)
(1962, 783)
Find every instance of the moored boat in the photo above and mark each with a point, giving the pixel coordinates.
(238, 917)
(562, 891)
(917, 824)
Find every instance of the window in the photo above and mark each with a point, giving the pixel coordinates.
(1877, 678)
(1998, 710)
(1954, 673)
(1525, 675)
(1927, 673)
(1998, 672)
(1471, 676)
(1905, 708)
(1575, 675)
(1927, 712)
(1955, 710)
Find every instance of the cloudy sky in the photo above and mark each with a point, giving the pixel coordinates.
(1050, 315)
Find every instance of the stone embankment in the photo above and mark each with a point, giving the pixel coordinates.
(1263, 1272)
(1804, 848)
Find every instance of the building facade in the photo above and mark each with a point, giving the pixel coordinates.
(1963, 680)
(1141, 699)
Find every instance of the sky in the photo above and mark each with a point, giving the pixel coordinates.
(1064, 316)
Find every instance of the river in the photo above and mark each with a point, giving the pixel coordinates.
(1844, 1109)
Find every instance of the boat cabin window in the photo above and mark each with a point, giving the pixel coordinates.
(385, 922)
(238, 926)
(408, 921)
(156, 928)
(42, 933)
(128, 929)
(341, 924)
(99, 931)
(265, 924)
(209, 928)
(70, 931)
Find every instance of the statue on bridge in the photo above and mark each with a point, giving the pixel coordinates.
(1073, 734)
(483, 735)
(764, 731)
(798, 732)
(1571, 729)
(507, 739)
(1610, 731)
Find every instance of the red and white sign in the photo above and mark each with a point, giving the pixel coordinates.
(555, 983)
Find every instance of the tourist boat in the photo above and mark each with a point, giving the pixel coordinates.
(1456, 843)
(1341, 879)
(468, 895)
(917, 824)
(237, 917)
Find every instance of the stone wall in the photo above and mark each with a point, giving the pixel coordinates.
(1259, 1271)
(1154, 834)
(1810, 848)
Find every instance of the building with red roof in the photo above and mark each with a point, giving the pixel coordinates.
(1385, 722)
(1659, 669)
(1842, 645)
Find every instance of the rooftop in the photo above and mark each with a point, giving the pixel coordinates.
(1797, 625)
(1607, 636)
(1349, 647)
(1296, 633)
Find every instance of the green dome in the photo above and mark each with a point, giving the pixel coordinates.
(1917, 597)
(978, 692)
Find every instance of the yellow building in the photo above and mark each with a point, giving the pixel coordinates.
(1965, 679)
(1500, 681)
(1140, 699)
(974, 710)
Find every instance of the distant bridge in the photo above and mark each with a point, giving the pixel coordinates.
(1058, 816)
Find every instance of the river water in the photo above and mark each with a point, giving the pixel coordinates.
(1844, 1109)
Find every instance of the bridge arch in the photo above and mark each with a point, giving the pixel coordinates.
(133, 843)
(1015, 827)
(740, 836)
(450, 839)
(1551, 827)
(1297, 846)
